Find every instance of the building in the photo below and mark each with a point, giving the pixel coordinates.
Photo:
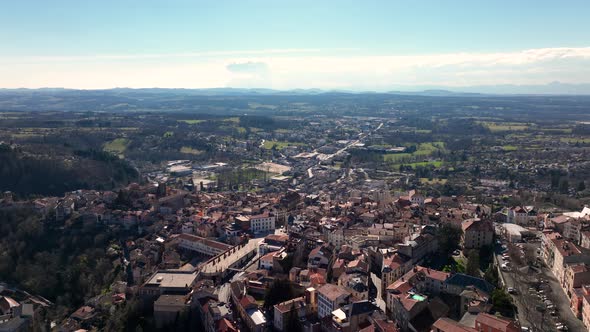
(284, 309)
(175, 282)
(559, 252)
(202, 245)
(262, 223)
(167, 308)
(330, 298)
(477, 233)
(576, 275)
(448, 325)
(490, 323)
(394, 266)
(521, 215)
(406, 298)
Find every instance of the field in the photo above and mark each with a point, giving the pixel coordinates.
(505, 126)
(432, 181)
(509, 148)
(192, 122)
(117, 146)
(189, 150)
(574, 140)
(423, 149)
(279, 145)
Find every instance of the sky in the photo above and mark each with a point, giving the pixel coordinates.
(352, 45)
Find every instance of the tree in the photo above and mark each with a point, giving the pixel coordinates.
(279, 291)
(293, 323)
(564, 186)
(581, 186)
(472, 267)
(448, 237)
(502, 302)
(491, 275)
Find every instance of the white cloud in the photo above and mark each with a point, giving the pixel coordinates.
(298, 68)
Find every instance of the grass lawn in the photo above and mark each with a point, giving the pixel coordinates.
(432, 181)
(189, 150)
(574, 140)
(168, 134)
(509, 148)
(280, 145)
(232, 119)
(423, 149)
(191, 122)
(117, 146)
(505, 126)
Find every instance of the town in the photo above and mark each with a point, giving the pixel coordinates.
(271, 223)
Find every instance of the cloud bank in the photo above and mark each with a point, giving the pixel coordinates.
(298, 68)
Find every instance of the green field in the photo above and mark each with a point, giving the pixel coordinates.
(505, 126)
(574, 140)
(191, 122)
(279, 145)
(423, 149)
(509, 148)
(168, 134)
(189, 150)
(117, 146)
(432, 181)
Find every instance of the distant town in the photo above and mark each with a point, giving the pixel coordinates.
(343, 212)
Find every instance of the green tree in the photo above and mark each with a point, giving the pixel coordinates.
(280, 290)
(491, 275)
(564, 186)
(293, 323)
(502, 302)
(472, 267)
(448, 237)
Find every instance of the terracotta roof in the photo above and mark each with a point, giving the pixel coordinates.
(448, 325)
(493, 322)
(332, 292)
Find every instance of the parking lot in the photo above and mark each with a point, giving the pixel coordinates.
(541, 303)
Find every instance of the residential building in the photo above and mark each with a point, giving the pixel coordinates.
(202, 245)
(477, 233)
(284, 309)
(491, 323)
(330, 298)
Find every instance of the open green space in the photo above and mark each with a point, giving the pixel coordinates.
(279, 145)
(117, 146)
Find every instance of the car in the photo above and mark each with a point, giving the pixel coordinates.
(562, 328)
(553, 313)
(456, 252)
(525, 329)
(511, 290)
(550, 307)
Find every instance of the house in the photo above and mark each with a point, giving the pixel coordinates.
(490, 323)
(521, 215)
(576, 275)
(247, 307)
(168, 282)
(330, 298)
(202, 245)
(262, 223)
(394, 266)
(351, 317)
(167, 308)
(284, 309)
(559, 252)
(477, 233)
(406, 299)
(266, 261)
(448, 325)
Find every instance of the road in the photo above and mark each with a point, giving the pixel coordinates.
(349, 145)
(524, 301)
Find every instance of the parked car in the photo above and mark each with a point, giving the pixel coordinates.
(511, 290)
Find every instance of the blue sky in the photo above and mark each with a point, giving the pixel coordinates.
(289, 44)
